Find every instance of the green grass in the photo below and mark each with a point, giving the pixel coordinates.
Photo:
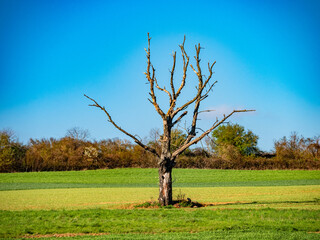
(181, 222)
(118, 178)
(269, 204)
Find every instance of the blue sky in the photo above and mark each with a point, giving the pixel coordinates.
(52, 52)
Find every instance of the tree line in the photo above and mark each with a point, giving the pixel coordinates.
(230, 146)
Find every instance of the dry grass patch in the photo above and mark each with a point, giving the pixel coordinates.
(88, 198)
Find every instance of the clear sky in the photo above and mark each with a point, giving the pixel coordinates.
(52, 52)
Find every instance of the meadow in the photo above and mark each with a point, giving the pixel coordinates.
(99, 204)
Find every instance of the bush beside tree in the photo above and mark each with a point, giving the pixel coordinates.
(233, 139)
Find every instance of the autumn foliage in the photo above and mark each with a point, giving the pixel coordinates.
(76, 152)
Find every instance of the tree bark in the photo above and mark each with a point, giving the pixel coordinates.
(165, 165)
(165, 182)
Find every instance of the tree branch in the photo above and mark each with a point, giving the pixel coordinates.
(212, 110)
(172, 74)
(152, 150)
(163, 89)
(215, 125)
(201, 86)
(151, 81)
(207, 92)
(175, 95)
(185, 58)
(179, 118)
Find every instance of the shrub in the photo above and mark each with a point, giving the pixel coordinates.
(74, 152)
(298, 148)
(12, 153)
(234, 135)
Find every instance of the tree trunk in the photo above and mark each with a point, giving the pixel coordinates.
(165, 165)
(165, 188)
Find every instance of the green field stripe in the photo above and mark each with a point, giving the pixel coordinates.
(251, 183)
(136, 177)
(29, 186)
(50, 185)
(170, 222)
(150, 176)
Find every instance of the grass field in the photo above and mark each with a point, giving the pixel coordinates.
(128, 177)
(178, 221)
(98, 204)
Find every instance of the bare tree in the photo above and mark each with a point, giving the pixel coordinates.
(167, 156)
(78, 133)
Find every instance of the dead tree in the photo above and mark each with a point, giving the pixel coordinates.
(174, 114)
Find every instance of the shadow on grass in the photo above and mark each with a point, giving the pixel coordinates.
(191, 204)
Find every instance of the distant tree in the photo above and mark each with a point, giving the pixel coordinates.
(245, 141)
(178, 137)
(297, 147)
(171, 116)
(78, 133)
